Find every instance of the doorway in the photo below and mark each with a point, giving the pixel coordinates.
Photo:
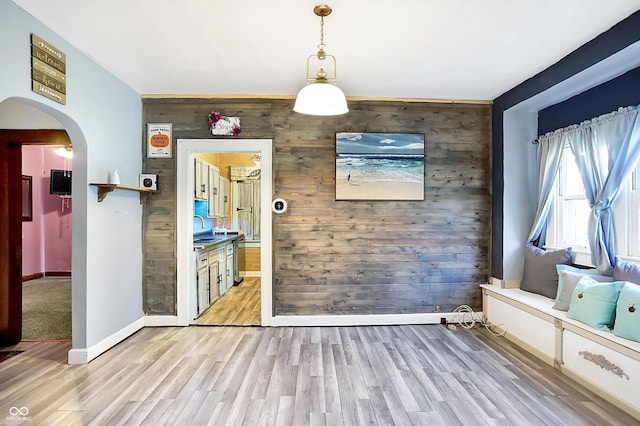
(14, 215)
(185, 150)
(227, 208)
(46, 242)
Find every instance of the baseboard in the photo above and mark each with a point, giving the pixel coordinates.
(161, 321)
(46, 274)
(83, 356)
(57, 274)
(363, 320)
(32, 276)
(251, 274)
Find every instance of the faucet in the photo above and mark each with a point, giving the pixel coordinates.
(201, 220)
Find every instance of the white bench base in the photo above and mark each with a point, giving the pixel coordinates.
(605, 363)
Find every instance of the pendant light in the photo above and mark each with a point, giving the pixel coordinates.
(321, 96)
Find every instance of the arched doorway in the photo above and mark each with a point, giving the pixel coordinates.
(28, 122)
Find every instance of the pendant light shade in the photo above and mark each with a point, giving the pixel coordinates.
(321, 99)
(321, 96)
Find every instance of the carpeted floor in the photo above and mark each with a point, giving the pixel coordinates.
(46, 309)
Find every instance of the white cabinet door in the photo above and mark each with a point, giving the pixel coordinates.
(222, 261)
(230, 271)
(223, 198)
(201, 178)
(227, 198)
(214, 274)
(214, 191)
(203, 290)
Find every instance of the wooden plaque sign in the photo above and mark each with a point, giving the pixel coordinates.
(48, 70)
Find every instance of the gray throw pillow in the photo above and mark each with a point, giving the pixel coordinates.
(540, 275)
(626, 271)
(567, 282)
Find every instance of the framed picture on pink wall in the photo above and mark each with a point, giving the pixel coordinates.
(27, 199)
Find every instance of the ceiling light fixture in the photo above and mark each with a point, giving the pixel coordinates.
(65, 151)
(321, 96)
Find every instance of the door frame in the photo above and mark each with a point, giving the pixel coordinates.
(185, 148)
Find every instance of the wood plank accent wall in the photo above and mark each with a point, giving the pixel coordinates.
(346, 257)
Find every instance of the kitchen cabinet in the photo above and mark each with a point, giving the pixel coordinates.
(201, 179)
(229, 251)
(222, 262)
(202, 283)
(223, 209)
(213, 195)
(214, 278)
(215, 270)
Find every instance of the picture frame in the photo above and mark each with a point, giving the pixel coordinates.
(27, 198)
(159, 140)
(380, 166)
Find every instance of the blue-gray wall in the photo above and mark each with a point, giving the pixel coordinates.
(602, 99)
(103, 119)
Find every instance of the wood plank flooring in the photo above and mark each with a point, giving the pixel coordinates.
(402, 375)
(238, 306)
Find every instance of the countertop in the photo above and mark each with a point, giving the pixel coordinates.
(205, 241)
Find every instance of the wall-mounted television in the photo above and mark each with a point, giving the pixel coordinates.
(60, 182)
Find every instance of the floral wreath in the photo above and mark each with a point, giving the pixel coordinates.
(221, 125)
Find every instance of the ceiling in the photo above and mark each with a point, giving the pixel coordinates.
(436, 49)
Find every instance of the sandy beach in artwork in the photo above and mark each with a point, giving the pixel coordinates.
(363, 190)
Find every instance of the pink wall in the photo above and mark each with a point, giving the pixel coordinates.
(46, 241)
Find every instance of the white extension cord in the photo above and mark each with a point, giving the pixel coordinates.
(467, 318)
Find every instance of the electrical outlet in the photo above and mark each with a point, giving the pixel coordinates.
(437, 308)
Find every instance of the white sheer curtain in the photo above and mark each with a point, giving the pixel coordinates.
(607, 150)
(548, 160)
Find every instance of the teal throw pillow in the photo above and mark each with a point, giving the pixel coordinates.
(594, 303)
(568, 277)
(628, 313)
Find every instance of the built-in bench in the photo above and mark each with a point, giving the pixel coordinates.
(607, 364)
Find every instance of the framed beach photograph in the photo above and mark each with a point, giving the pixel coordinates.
(379, 166)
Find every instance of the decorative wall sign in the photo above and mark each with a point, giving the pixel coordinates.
(379, 166)
(159, 140)
(225, 126)
(48, 70)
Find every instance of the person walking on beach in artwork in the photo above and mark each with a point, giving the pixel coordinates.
(349, 178)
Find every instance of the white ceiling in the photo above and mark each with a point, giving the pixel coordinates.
(434, 49)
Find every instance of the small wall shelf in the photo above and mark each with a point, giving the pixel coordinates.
(105, 188)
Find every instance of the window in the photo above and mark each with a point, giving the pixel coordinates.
(569, 219)
(572, 205)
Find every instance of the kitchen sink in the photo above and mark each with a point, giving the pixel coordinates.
(208, 240)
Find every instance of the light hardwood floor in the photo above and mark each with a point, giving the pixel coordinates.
(238, 306)
(414, 374)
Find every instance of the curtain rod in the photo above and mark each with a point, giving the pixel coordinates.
(588, 122)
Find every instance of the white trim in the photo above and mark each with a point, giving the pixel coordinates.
(83, 356)
(350, 320)
(185, 148)
(161, 321)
